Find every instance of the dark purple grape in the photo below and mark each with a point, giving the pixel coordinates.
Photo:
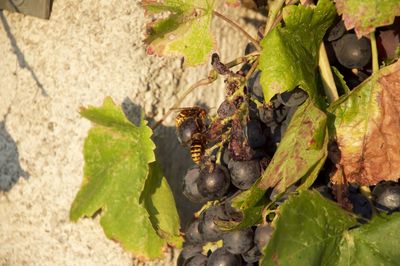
(254, 86)
(248, 50)
(186, 130)
(336, 31)
(266, 115)
(213, 185)
(244, 173)
(280, 113)
(190, 189)
(222, 257)
(386, 196)
(238, 241)
(198, 260)
(188, 252)
(262, 235)
(226, 109)
(292, 98)
(325, 191)
(192, 234)
(275, 194)
(207, 226)
(352, 52)
(254, 134)
(361, 205)
(253, 255)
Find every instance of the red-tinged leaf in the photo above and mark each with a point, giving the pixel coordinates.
(367, 126)
(366, 15)
(300, 152)
(185, 32)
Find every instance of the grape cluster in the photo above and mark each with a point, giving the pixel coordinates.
(240, 140)
(238, 143)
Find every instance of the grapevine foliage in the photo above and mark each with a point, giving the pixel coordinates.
(122, 181)
(311, 230)
(185, 32)
(366, 15)
(276, 122)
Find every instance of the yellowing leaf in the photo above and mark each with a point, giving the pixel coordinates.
(302, 149)
(117, 155)
(185, 32)
(366, 15)
(367, 126)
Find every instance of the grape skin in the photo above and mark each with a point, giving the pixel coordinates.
(262, 235)
(244, 173)
(386, 196)
(213, 185)
(238, 241)
(190, 189)
(352, 52)
(222, 257)
(193, 234)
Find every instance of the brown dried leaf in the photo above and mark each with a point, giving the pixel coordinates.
(367, 125)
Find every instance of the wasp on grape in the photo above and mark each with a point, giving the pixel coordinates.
(197, 147)
(184, 113)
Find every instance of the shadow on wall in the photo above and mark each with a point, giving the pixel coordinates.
(10, 168)
(18, 53)
(173, 158)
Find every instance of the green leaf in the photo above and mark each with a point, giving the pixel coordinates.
(251, 214)
(375, 243)
(117, 156)
(366, 126)
(290, 54)
(366, 15)
(185, 32)
(301, 152)
(308, 231)
(311, 230)
(339, 81)
(160, 204)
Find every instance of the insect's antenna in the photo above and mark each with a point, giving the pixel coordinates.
(199, 83)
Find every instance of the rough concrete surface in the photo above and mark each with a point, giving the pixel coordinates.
(48, 69)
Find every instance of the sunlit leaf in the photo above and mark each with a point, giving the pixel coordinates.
(290, 53)
(366, 15)
(311, 230)
(185, 32)
(367, 126)
(117, 155)
(160, 204)
(303, 148)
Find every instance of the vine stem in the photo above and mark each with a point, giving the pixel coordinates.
(199, 83)
(375, 64)
(238, 27)
(273, 12)
(327, 76)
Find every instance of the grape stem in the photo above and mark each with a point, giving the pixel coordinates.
(243, 59)
(200, 83)
(326, 75)
(374, 49)
(238, 27)
(274, 10)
